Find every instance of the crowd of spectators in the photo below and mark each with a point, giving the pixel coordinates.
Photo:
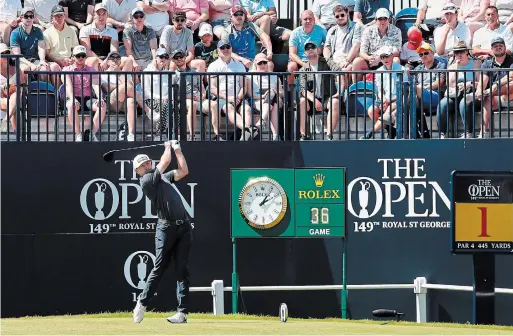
(136, 37)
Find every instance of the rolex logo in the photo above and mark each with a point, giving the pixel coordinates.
(319, 180)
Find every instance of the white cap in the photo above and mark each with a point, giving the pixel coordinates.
(384, 50)
(140, 159)
(79, 49)
(382, 12)
(205, 29)
(449, 7)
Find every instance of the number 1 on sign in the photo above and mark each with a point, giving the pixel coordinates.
(484, 222)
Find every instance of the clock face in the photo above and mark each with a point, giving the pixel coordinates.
(263, 203)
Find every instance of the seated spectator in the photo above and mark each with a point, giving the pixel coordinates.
(220, 15)
(156, 91)
(120, 89)
(472, 13)
(158, 14)
(430, 14)
(452, 31)
(263, 14)
(323, 12)
(28, 40)
(80, 97)
(365, 12)
(342, 43)
(177, 37)
(493, 88)
(267, 95)
(459, 97)
(318, 92)
(196, 12)
(194, 90)
(229, 92)
(118, 12)
(383, 112)
(481, 45)
(140, 41)
(42, 10)
(9, 19)
(205, 51)
(78, 13)
(241, 35)
(8, 88)
(374, 37)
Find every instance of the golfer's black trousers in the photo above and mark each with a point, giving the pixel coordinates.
(171, 242)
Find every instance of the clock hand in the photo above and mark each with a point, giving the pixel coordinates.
(270, 199)
(265, 199)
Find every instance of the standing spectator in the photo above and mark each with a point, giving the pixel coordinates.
(196, 12)
(374, 37)
(365, 11)
(9, 18)
(472, 12)
(80, 97)
(119, 14)
(324, 12)
(78, 13)
(177, 37)
(42, 10)
(230, 92)
(481, 45)
(158, 14)
(263, 14)
(452, 31)
(205, 51)
(318, 92)
(219, 14)
(241, 36)
(140, 41)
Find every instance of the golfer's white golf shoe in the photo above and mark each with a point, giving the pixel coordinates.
(139, 312)
(177, 318)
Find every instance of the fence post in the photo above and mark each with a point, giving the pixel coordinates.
(420, 299)
(218, 296)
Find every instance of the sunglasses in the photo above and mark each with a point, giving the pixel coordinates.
(238, 14)
(460, 51)
(384, 56)
(178, 57)
(382, 19)
(80, 56)
(140, 16)
(425, 53)
(225, 47)
(262, 62)
(163, 56)
(179, 20)
(114, 58)
(340, 16)
(28, 16)
(310, 48)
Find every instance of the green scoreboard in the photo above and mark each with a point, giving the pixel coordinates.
(302, 202)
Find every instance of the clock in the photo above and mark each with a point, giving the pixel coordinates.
(263, 203)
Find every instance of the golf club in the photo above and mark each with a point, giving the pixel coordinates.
(109, 156)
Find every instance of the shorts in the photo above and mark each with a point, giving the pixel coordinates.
(429, 98)
(144, 63)
(85, 102)
(310, 108)
(275, 32)
(376, 67)
(222, 102)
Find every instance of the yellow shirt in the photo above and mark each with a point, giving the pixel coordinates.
(60, 44)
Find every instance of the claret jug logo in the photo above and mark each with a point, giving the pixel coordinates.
(137, 268)
(316, 193)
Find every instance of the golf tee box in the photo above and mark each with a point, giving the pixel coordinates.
(285, 203)
(482, 212)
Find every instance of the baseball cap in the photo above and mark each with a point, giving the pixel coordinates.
(25, 10)
(140, 159)
(497, 39)
(382, 12)
(221, 43)
(176, 52)
(449, 7)
(236, 9)
(99, 6)
(414, 38)
(79, 50)
(205, 29)
(179, 14)
(4, 48)
(425, 46)
(260, 57)
(310, 42)
(384, 51)
(57, 9)
(161, 51)
(113, 53)
(136, 10)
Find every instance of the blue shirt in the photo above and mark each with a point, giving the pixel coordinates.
(298, 39)
(27, 42)
(243, 42)
(255, 6)
(368, 8)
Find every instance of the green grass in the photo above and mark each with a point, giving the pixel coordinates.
(202, 324)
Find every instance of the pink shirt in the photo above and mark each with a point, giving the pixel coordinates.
(192, 8)
(81, 81)
(220, 9)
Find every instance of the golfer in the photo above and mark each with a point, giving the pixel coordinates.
(173, 235)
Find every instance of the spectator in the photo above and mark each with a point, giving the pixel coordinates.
(365, 11)
(481, 45)
(219, 14)
(194, 90)
(178, 37)
(493, 88)
(205, 51)
(318, 92)
(374, 37)
(140, 41)
(9, 19)
(430, 13)
(119, 14)
(158, 14)
(460, 97)
(263, 14)
(241, 36)
(80, 97)
(156, 90)
(196, 12)
(386, 104)
(42, 10)
(342, 43)
(78, 13)
(229, 91)
(267, 94)
(8, 88)
(472, 12)
(453, 30)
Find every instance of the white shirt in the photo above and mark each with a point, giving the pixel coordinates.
(120, 12)
(157, 21)
(9, 10)
(159, 83)
(43, 8)
(389, 81)
(233, 66)
(461, 32)
(261, 82)
(434, 7)
(483, 37)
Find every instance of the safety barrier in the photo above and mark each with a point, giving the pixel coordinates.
(420, 288)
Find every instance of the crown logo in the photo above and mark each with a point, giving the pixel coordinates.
(319, 180)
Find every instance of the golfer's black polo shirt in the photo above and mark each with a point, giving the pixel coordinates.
(164, 197)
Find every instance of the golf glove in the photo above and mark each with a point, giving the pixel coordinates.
(175, 144)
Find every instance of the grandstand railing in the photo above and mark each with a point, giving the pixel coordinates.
(42, 114)
(420, 288)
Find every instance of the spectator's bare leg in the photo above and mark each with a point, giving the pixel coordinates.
(210, 106)
(286, 35)
(5, 32)
(192, 107)
(12, 110)
(265, 24)
(359, 64)
(74, 114)
(55, 79)
(292, 67)
(333, 115)
(302, 115)
(274, 119)
(377, 121)
(100, 110)
(130, 114)
(236, 120)
(248, 116)
(199, 65)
